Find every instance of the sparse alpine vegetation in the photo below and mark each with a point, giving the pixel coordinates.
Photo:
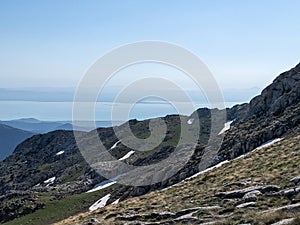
(255, 189)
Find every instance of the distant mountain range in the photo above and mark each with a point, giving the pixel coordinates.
(33, 125)
(41, 127)
(9, 139)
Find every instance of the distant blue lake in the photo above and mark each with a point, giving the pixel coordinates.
(62, 111)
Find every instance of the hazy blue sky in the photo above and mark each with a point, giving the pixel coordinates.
(52, 43)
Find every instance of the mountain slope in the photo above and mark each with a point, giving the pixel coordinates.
(9, 138)
(41, 157)
(218, 195)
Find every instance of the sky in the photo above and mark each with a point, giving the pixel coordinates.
(52, 43)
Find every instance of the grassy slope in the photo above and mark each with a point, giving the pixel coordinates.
(56, 210)
(274, 165)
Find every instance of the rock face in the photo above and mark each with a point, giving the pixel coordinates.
(273, 100)
(272, 114)
(282, 93)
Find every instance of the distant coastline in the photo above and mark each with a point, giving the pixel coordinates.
(62, 111)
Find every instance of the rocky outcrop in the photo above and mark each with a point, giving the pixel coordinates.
(284, 222)
(272, 114)
(287, 208)
(274, 99)
(251, 196)
(296, 180)
(181, 216)
(248, 192)
(18, 203)
(246, 205)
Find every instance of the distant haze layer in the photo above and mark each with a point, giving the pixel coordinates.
(53, 104)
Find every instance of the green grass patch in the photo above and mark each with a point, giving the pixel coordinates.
(56, 210)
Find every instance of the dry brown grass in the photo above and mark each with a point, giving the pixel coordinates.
(274, 165)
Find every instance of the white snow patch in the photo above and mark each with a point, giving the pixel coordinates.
(102, 185)
(186, 216)
(243, 156)
(226, 127)
(199, 173)
(260, 147)
(190, 121)
(267, 144)
(208, 169)
(100, 203)
(60, 153)
(284, 222)
(226, 161)
(116, 202)
(174, 185)
(115, 144)
(127, 155)
(50, 180)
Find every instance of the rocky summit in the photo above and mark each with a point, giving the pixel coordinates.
(253, 178)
